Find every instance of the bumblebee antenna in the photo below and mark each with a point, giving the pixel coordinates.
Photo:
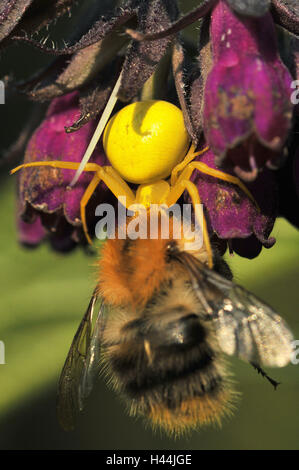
(99, 130)
(265, 375)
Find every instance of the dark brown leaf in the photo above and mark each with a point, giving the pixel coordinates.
(93, 98)
(11, 13)
(80, 70)
(286, 13)
(143, 58)
(98, 31)
(178, 25)
(179, 73)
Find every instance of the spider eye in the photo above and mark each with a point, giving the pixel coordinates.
(145, 140)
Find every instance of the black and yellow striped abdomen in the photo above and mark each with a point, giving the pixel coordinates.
(167, 363)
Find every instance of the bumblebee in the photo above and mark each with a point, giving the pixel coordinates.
(158, 325)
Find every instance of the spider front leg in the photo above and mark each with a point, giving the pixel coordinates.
(181, 166)
(183, 182)
(57, 164)
(114, 182)
(175, 193)
(187, 166)
(107, 174)
(203, 168)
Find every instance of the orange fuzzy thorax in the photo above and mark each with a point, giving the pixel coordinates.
(132, 270)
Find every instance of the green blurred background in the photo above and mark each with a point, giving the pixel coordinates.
(43, 296)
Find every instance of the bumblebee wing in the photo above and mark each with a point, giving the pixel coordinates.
(252, 330)
(82, 364)
(245, 326)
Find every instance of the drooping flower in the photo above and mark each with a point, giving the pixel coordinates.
(234, 217)
(94, 58)
(240, 92)
(247, 105)
(30, 234)
(92, 61)
(44, 191)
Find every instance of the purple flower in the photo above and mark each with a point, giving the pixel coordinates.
(43, 190)
(247, 107)
(238, 90)
(232, 215)
(234, 88)
(93, 62)
(30, 234)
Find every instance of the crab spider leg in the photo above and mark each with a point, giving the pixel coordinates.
(83, 203)
(57, 164)
(180, 185)
(193, 192)
(111, 178)
(123, 189)
(188, 158)
(114, 182)
(175, 193)
(107, 174)
(203, 168)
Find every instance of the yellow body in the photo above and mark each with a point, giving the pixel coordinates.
(146, 140)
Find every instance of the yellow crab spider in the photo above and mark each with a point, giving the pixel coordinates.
(147, 144)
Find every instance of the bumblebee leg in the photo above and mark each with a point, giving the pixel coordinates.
(188, 158)
(175, 193)
(203, 168)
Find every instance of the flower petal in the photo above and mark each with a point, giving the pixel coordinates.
(30, 234)
(230, 212)
(247, 92)
(45, 188)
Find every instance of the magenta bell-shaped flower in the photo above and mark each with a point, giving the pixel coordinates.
(232, 216)
(44, 191)
(247, 97)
